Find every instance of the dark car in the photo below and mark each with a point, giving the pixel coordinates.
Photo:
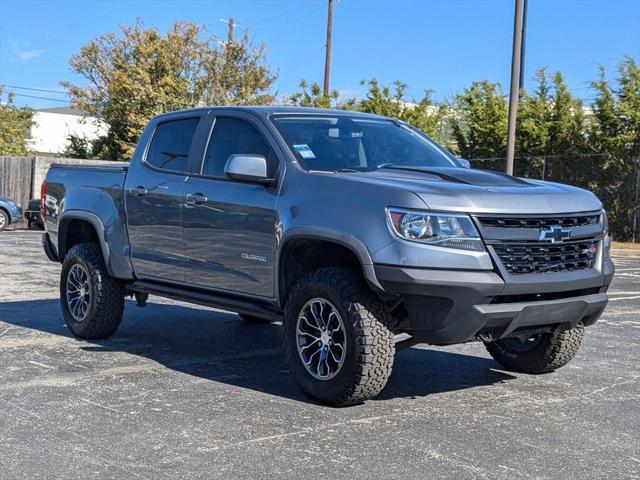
(33, 215)
(10, 212)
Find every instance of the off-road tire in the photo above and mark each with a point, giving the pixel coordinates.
(553, 351)
(370, 344)
(252, 319)
(106, 304)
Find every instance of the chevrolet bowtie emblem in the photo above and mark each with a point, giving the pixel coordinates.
(554, 234)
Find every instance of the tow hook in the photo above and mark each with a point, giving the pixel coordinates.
(485, 337)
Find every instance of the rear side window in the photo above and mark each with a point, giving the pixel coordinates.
(233, 136)
(169, 149)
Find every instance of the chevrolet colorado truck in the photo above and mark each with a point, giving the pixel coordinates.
(358, 232)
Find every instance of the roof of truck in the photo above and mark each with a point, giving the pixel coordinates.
(267, 110)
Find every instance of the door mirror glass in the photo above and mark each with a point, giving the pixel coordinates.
(247, 168)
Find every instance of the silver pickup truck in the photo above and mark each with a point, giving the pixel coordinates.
(358, 232)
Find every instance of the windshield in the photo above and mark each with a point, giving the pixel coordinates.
(351, 143)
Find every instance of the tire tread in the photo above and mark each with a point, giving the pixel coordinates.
(557, 349)
(374, 361)
(109, 295)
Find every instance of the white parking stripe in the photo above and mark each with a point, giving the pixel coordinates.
(624, 298)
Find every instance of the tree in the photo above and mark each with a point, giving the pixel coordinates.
(616, 135)
(379, 100)
(383, 100)
(141, 72)
(551, 135)
(15, 127)
(79, 146)
(312, 95)
(479, 123)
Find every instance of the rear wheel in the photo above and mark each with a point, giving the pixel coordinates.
(92, 301)
(339, 348)
(541, 353)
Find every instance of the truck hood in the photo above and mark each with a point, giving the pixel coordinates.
(481, 191)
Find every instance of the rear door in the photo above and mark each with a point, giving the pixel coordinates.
(155, 196)
(229, 226)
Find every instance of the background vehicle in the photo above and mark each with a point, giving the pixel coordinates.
(10, 212)
(33, 214)
(354, 230)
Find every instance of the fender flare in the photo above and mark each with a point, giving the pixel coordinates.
(91, 218)
(355, 245)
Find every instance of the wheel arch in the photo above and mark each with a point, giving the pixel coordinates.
(77, 226)
(308, 249)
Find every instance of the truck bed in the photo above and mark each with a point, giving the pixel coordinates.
(93, 193)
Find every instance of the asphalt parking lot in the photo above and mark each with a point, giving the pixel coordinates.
(190, 392)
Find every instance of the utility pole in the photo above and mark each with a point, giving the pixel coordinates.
(230, 32)
(523, 44)
(513, 94)
(231, 25)
(635, 204)
(327, 59)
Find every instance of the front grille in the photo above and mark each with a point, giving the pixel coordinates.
(538, 222)
(546, 258)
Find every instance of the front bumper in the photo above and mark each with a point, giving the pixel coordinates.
(16, 213)
(448, 307)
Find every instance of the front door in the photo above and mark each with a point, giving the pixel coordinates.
(154, 201)
(229, 226)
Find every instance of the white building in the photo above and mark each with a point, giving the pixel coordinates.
(52, 126)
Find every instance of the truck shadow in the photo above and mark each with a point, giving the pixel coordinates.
(220, 347)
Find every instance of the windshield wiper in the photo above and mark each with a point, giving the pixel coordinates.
(346, 170)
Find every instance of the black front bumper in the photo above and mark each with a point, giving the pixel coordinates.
(448, 307)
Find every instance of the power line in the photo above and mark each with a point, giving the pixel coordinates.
(267, 20)
(309, 57)
(35, 89)
(280, 24)
(39, 98)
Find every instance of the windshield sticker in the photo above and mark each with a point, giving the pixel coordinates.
(304, 151)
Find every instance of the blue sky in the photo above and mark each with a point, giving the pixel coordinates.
(441, 45)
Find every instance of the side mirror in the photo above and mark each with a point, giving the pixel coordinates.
(463, 163)
(248, 168)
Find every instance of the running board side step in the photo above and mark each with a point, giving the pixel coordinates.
(207, 299)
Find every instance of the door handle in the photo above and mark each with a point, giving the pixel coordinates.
(139, 191)
(196, 199)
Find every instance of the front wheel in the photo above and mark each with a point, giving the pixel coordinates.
(541, 353)
(92, 301)
(4, 220)
(339, 348)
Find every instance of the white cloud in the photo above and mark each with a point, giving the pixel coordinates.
(25, 54)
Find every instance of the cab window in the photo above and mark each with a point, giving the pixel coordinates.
(169, 149)
(231, 136)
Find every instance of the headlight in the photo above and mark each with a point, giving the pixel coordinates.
(606, 242)
(449, 230)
